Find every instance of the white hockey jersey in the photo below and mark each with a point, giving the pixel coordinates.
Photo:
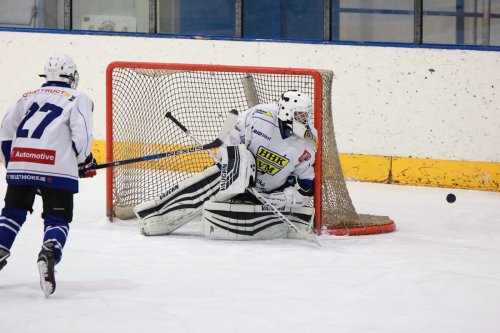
(277, 157)
(45, 135)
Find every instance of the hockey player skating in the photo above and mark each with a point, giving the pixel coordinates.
(46, 141)
(272, 148)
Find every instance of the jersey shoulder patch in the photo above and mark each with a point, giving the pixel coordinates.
(306, 156)
(264, 111)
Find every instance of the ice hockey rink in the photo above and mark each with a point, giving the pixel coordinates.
(438, 272)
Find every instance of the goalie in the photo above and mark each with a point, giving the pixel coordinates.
(272, 147)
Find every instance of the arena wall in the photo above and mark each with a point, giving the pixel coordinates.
(403, 115)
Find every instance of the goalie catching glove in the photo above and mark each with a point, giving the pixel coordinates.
(290, 197)
(85, 169)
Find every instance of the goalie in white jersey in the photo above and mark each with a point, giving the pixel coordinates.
(273, 148)
(46, 141)
(282, 140)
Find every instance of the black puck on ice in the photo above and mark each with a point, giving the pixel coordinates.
(451, 198)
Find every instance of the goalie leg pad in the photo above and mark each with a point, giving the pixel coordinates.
(303, 219)
(179, 205)
(231, 221)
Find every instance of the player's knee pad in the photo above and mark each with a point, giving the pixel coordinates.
(16, 215)
(238, 169)
(179, 205)
(231, 221)
(11, 221)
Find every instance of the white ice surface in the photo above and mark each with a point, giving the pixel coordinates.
(438, 272)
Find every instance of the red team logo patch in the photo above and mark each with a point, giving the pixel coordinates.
(306, 156)
(41, 156)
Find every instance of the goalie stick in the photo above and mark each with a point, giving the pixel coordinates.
(224, 132)
(311, 237)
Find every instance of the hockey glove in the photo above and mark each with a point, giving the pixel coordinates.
(290, 197)
(85, 169)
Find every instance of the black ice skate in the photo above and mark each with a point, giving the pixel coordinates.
(4, 254)
(46, 263)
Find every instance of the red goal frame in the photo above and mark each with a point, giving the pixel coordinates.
(318, 97)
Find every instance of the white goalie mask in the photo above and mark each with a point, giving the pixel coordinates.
(295, 109)
(61, 68)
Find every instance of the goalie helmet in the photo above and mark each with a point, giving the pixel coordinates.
(295, 109)
(61, 68)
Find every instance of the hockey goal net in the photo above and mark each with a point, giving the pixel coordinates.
(200, 96)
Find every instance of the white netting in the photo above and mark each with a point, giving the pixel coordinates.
(200, 99)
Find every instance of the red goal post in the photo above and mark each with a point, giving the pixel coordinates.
(139, 94)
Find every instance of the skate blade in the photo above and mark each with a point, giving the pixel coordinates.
(47, 286)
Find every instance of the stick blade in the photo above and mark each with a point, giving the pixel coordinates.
(310, 237)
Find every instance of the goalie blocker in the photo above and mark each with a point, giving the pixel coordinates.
(234, 221)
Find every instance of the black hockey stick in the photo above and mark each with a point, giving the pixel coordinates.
(214, 144)
(310, 237)
(228, 124)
